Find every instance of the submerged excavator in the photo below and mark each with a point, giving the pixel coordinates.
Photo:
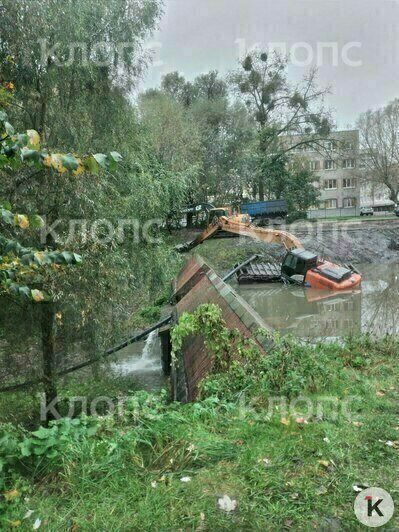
(299, 265)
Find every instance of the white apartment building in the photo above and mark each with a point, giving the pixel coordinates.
(335, 162)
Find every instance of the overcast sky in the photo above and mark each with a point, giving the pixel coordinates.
(196, 36)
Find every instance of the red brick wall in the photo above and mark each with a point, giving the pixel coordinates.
(197, 362)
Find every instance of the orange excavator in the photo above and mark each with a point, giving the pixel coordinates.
(299, 266)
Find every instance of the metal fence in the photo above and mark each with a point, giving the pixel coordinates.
(320, 214)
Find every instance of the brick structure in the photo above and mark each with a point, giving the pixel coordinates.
(188, 277)
(195, 361)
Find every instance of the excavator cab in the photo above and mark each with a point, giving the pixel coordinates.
(304, 267)
(298, 262)
(218, 213)
(233, 214)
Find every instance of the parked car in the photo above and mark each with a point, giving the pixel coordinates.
(366, 211)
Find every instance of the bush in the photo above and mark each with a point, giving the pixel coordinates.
(296, 215)
(42, 449)
(151, 313)
(290, 368)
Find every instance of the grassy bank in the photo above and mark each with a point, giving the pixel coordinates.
(162, 466)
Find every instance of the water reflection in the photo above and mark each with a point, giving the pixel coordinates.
(381, 291)
(311, 313)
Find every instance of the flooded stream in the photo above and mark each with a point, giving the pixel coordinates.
(303, 312)
(311, 313)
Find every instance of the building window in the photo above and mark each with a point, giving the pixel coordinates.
(349, 183)
(330, 145)
(350, 145)
(348, 203)
(314, 165)
(331, 204)
(329, 164)
(349, 163)
(330, 184)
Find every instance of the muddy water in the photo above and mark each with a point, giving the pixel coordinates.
(310, 313)
(306, 313)
(142, 362)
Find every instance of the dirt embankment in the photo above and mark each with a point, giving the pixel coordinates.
(357, 242)
(371, 242)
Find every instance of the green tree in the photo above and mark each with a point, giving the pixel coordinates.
(225, 130)
(72, 65)
(288, 115)
(290, 178)
(26, 272)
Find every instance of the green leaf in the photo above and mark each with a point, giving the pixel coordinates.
(30, 155)
(7, 216)
(42, 433)
(9, 129)
(22, 140)
(3, 116)
(70, 162)
(25, 447)
(12, 246)
(36, 222)
(24, 291)
(91, 165)
(117, 157)
(113, 159)
(27, 259)
(5, 205)
(102, 160)
(68, 257)
(20, 291)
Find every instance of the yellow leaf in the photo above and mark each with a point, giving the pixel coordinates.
(20, 220)
(58, 316)
(80, 169)
(10, 495)
(15, 524)
(34, 139)
(324, 463)
(56, 163)
(37, 295)
(47, 161)
(285, 421)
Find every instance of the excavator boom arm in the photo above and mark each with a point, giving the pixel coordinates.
(232, 225)
(270, 236)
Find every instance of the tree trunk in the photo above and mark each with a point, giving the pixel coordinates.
(254, 190)
(48, 350)
(261, 186)
(393, 194)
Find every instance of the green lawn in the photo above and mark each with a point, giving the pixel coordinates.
(282, 473)
(374, 218)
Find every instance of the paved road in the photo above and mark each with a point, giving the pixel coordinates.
(349, 225)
